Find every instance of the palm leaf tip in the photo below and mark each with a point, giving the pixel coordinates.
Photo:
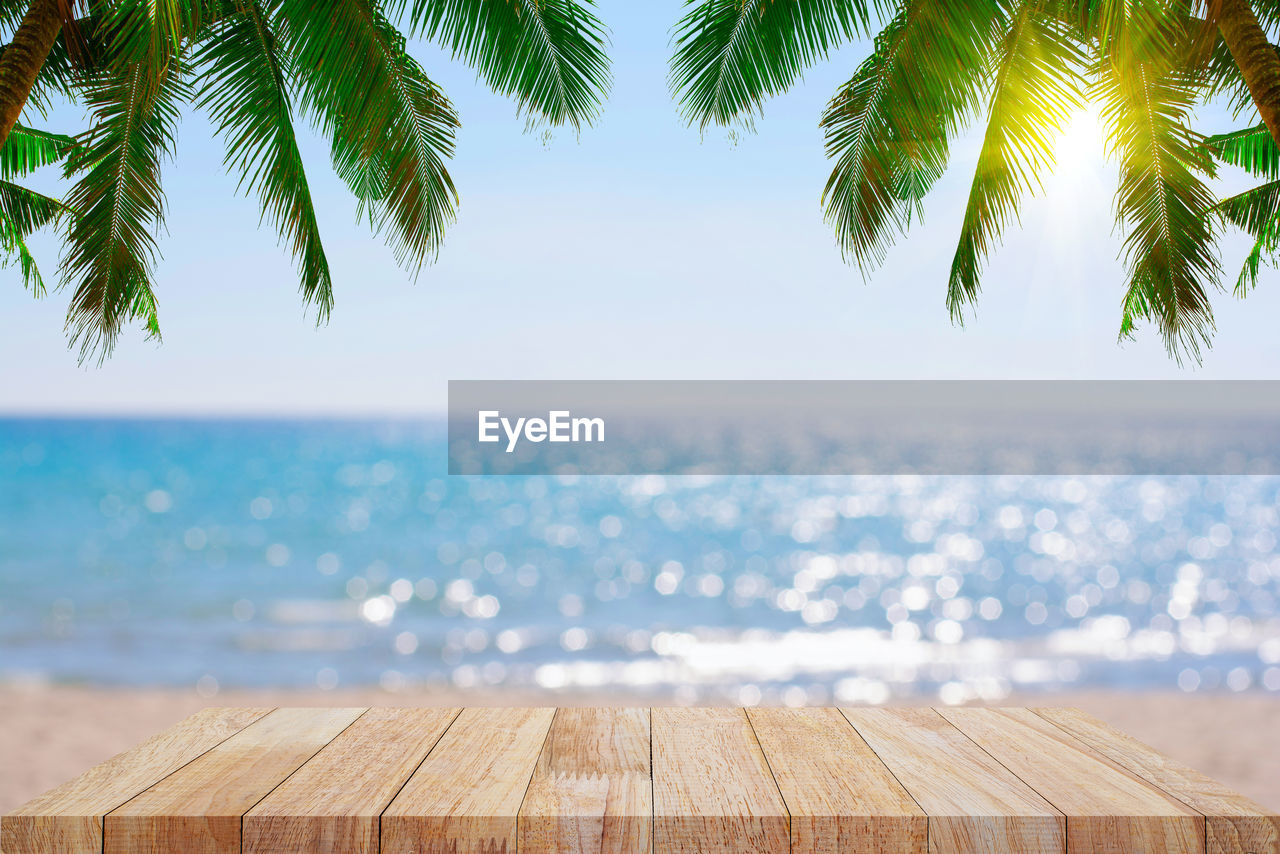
(1037, 65)
(391, 129)
(732, 55)
(246, 93)
(13, 247)
(549, 55)
(1256, 212)
(28, 149)
(889, 128)
(1252, 149)
(24, 211)
(111, 246)
(1163, 199)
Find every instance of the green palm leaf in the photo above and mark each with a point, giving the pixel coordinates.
(23, 212)
(26, 210)
(110, 245)
(1252, 149)
(733, 54)
(548, 54)
(1267, 242)
(888, 128)
(28, 149)
(1256, 212)
(153, 32)
(244, 88)
(391, 128)
(1036, 91)
(1162, 197)
(13, 245)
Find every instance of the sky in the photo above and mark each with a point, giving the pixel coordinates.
(640, 249)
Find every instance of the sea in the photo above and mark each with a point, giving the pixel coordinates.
(213, 554)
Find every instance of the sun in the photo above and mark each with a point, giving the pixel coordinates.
(1077, 189)
(1081, 149)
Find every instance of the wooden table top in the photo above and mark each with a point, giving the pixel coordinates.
(501, 781)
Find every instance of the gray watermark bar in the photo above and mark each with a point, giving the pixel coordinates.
(1058, 427)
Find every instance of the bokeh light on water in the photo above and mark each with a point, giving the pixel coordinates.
(221, 554)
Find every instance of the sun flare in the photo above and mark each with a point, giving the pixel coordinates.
(1081, 149)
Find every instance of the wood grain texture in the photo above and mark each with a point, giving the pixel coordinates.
(1107, 807)
(974, 803)
(465, 797)
(68, 819)
(1234, 824)
(713, 792)
(591, 792)
(842, 798)
(609, 781)
(334, 801)
(198, 809)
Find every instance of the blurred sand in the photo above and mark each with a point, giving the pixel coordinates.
(51, 734)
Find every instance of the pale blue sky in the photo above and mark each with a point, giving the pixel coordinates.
(638, 251)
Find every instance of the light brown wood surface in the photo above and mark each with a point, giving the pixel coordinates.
(1116, 811)
(334, 802)
(660, 781)
(68, 819)
(466, 795)
(198, 809)
(591, 792)
(1234, 822)
(974, 803)
(842, 798)
(713, 792)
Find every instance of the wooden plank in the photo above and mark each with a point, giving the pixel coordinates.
(974, 804)
(333, 802)
(498, 781)
(68, 819)
(713, 792)
(841, 797)
(591, 792)
(1235, 824)
(197, 810)
(466, 795)
(1107, 808)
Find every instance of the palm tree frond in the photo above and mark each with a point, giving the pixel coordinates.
(22, 212)
(28, 149)
(889, 128)
(547, 54)
(731, 55)
(244, 88)
(1252, 267)
(1163, 197)
(151, 32)
(14, 245)
(1252, 149)
(1256, 212)
(1252, 210)
(391, 128)
(110, 244)
(26, 210)
(1036, 91)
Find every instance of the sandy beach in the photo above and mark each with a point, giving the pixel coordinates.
(50, 734)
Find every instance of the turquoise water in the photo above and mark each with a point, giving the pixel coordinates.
(230, 553)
